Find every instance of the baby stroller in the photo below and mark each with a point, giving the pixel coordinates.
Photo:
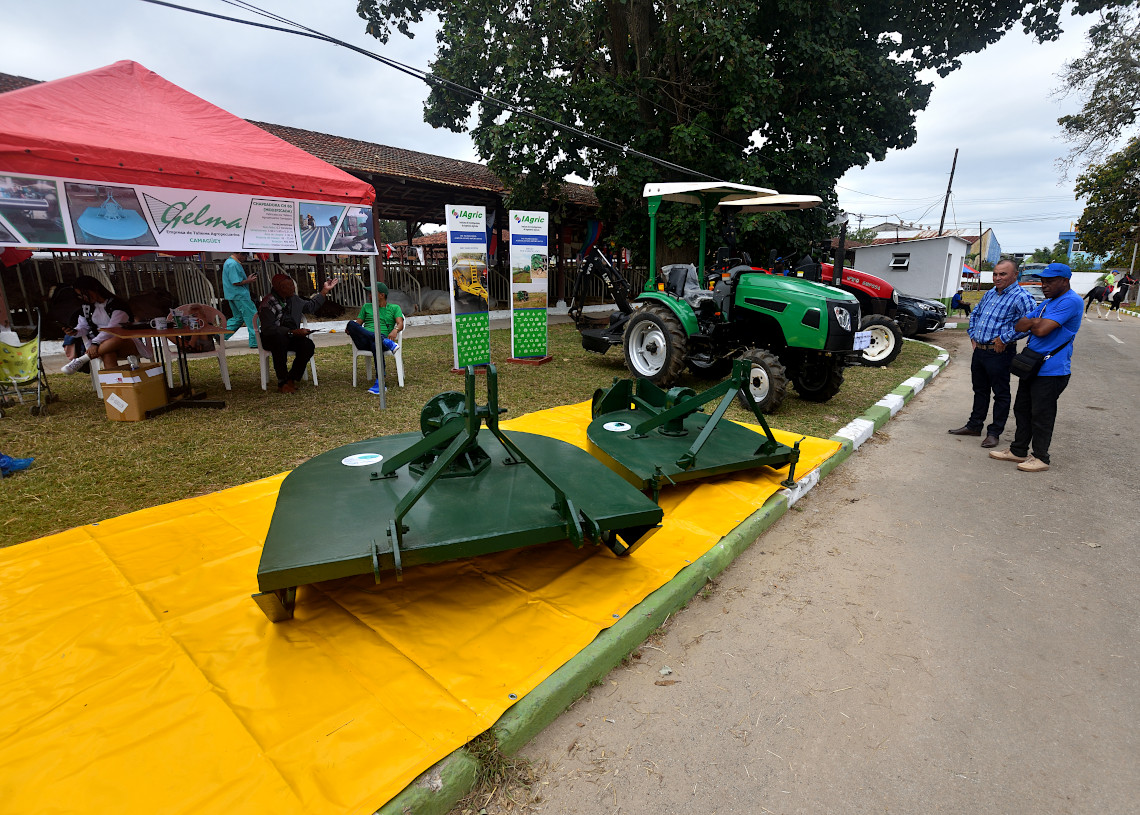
(22, 373)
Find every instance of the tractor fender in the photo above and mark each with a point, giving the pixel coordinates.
(679, 307)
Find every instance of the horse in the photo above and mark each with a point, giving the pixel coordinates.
(1099, 294)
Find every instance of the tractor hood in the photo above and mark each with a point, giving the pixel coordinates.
(873, 285)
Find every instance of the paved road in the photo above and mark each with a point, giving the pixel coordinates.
(927, 631)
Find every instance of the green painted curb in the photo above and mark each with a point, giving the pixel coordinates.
(437, 789)
(878, 414)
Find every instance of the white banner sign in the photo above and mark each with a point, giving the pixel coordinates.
(467, 262)
(62, 213)
(530, 264)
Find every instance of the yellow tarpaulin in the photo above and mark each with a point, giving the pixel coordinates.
(137, 675)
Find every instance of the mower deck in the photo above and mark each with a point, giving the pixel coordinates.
(653, 437)
(380, 505)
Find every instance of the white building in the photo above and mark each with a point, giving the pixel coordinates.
(923, 267)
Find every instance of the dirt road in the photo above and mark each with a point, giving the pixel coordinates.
(927, 631)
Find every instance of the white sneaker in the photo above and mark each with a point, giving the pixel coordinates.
(74, 366)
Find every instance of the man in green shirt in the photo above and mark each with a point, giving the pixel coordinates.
(391, 321)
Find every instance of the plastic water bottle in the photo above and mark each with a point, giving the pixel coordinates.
(133, 361)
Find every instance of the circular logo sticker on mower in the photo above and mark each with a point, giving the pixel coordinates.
(362, 460)
(616, 427)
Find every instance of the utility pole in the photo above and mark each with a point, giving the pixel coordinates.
(949, 184)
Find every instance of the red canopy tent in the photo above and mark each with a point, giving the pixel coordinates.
(126, 124)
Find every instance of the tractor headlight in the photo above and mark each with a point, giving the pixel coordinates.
(895, 296)
(843, 316)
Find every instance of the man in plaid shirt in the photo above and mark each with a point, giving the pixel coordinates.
(995, 343)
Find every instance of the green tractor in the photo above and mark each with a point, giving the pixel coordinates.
(786, 327)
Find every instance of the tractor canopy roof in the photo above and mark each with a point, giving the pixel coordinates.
(690, 192)
(773, 203)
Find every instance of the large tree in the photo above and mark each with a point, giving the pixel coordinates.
(788, 94)
(1110, 223)
(1107, 78)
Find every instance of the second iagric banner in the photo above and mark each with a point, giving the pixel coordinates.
(530, 265)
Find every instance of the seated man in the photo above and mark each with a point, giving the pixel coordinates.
(280, 313)
(391, 321)
(958, 304)
(101, 310)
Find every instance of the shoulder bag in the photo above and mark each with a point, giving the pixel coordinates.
(1027, 363)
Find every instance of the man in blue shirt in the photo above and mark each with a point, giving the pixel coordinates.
(235, 288)
(1052, 328)
(994, 338)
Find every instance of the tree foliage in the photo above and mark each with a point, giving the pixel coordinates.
(1107, 78)
(1111, 219)
(786, 94)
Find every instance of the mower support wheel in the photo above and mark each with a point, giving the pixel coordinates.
(886, 340)
(767, 380)
(654, 342)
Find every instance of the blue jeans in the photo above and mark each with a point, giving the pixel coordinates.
(989, 373)
(365, 340)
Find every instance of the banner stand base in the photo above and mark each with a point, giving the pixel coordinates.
(481, 368)
(530, 360)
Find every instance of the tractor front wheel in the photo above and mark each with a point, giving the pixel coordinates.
(817, 380)
(767, 381)
(886, 341)
(655, 345)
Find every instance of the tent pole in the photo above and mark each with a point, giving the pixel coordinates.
(372, 267)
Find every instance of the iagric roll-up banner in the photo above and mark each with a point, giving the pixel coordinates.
(530, 264)
(64, 213)
(467, 262)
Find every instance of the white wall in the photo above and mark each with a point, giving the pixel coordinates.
(935, 265)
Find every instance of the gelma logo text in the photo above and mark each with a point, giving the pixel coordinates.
(180, 213)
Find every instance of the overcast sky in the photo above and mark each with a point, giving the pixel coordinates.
(997, 110)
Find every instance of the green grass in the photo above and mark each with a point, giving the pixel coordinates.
(88, 468)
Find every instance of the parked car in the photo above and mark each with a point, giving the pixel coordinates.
(1032, 284)
(917, 315)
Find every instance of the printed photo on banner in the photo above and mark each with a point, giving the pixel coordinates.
(107, 215)
(469, 276)
(30, 210)
(355, 233)
(318, 224)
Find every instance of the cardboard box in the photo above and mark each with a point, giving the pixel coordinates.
(129, 394)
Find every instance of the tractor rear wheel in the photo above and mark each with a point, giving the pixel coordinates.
(655, 345)
(886, 340)
(817, 380)
(767, 381)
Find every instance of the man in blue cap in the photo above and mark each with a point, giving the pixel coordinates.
(1052, 328)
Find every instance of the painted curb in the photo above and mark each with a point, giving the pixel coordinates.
(440, 787)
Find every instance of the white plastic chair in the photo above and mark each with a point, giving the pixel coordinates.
(264, 356)
(399, 356)
(219, 321)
